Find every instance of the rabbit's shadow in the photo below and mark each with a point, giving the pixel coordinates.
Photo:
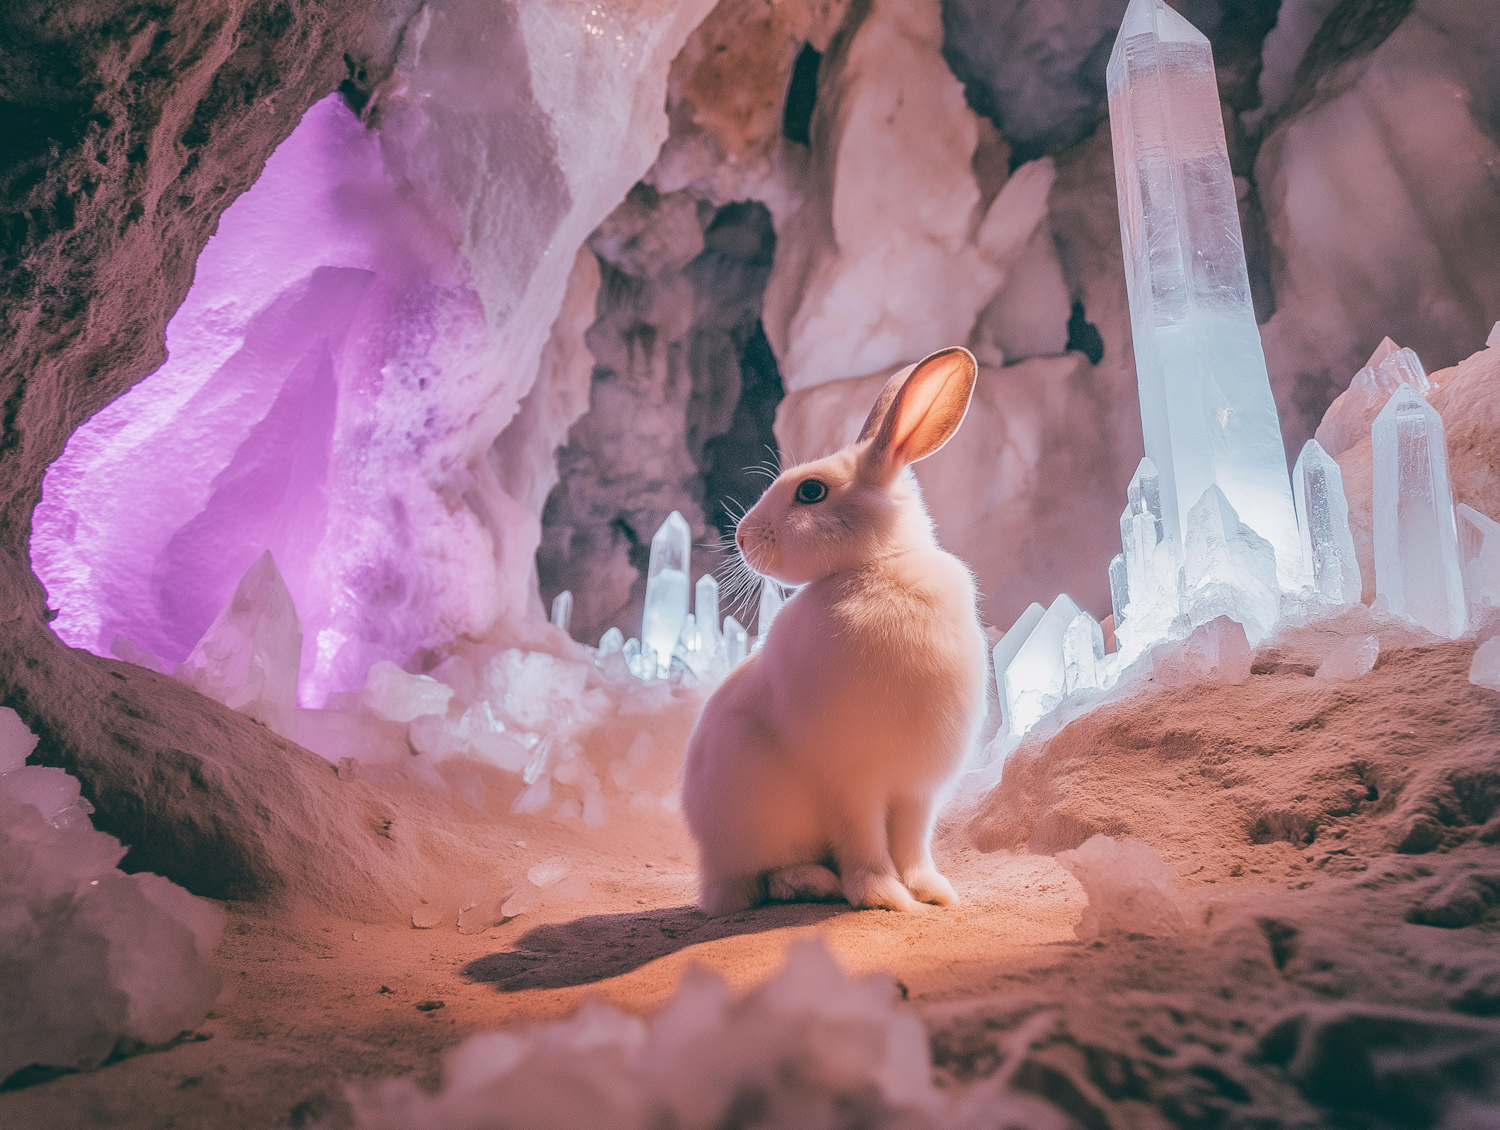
(596, 947)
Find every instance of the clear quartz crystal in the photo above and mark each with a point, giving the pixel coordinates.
(1035, 679)
(1083, 655)
(666, 589)
(1479, 557)
(1416, 539)
(1329, 562)
(1349, 417)
(1152, 563)
(771, 600)
(1119, 588)
(1230, 569)
(706, 609)
(1006, 649)
(1206, 405)
(562, 610)
(735, 642)
(611, 641)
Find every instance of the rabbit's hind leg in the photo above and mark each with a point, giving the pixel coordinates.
(728, 894)
(910, 825)
(806, 882)
(864, 863)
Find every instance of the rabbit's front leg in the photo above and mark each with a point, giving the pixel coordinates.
(864, 863)
(910, 826)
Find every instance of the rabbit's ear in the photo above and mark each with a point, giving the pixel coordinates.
(915, 416)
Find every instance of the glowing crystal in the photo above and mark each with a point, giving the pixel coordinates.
(248, 658)
(1152, 564)
(666, 589)
(1206, 405)
(1230, 569)
(1416, 540)
(1479, 556)
(736, 640)
(1329, 563)
(1035, 679)
(562, 610)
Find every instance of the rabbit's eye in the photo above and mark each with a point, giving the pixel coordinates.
(812, 490)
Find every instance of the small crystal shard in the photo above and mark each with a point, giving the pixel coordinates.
(1119, 588)
(397, 696)
(1416, 539)
(666, 591)
(1217, 651)
(1323, 522)
(1009, 644)
(1206, 406)
(1493, 341)
(1083, 655)
(1479, 557)
(771, 599)
(706, 608)
(250, 655)
(1230, 570)
(562, 610)
(1151, 562)
(1035, 679)
(611, 641)
(736, 640)
(1350, 659)
(1484, 671)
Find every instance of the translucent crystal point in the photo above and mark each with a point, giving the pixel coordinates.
(1493, 341)
(706, 608)
(1206, 405)
(1323, 522)
(1151, 562)
(248, 659)
(736, 640)
(1416, 540)
(611, 641)
(1083, 654)
(562, 610)
(1479, 557)
(1009, 644)
(666, 589)
(1119, 588)
(1035, 679)
(771, 600)
(1230, 569)
(1348, 418)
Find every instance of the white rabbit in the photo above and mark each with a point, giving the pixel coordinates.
(816, 767)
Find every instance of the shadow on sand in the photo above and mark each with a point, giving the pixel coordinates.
(594, 948)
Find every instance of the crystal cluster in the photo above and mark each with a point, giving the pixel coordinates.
(1217, 543)
(675, 643)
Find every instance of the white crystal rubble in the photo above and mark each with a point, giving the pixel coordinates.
(1352, 658)
(1129, 890)
(89, 957)
(1215, 652)
(1416, 540)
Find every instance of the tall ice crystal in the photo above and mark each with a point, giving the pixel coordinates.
(1206, 405)
(666, 590)
(1479, 557)
(1323, 521)
(1416, 542)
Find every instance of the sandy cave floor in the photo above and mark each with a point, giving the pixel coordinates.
(1149, 1032)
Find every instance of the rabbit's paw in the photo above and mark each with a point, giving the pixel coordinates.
(807, 882)
(928, 885)
(723, 896)
(872, 890)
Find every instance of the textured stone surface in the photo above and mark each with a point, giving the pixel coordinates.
(129, 130)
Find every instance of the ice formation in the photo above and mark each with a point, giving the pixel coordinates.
(1128, 887)
(91, 959)
(1206, 406)
(1323, 522)
(811, 1047)
(666, 591)
(1035, 678)
(249, 657)
(1416, 540)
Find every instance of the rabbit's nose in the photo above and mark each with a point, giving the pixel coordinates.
(739, 539)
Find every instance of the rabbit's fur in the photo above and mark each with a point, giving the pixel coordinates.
(816, 767)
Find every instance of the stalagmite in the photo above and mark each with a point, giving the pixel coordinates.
(1206, 405)
(1416, 541)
